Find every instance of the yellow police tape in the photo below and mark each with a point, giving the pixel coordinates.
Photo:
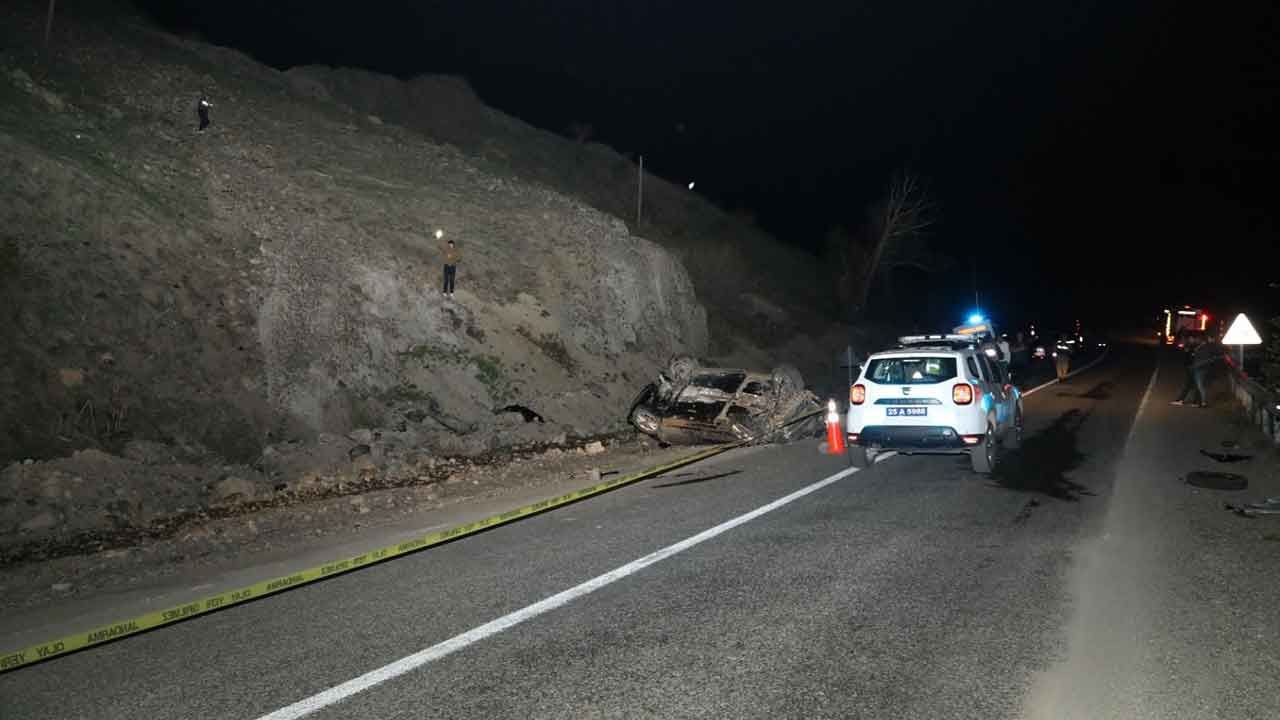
(123, 628)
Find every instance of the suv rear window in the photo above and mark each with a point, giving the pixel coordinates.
(911, 370)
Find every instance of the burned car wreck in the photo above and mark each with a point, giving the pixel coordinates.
(690, 405)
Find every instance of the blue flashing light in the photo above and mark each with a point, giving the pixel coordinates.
(975, 318)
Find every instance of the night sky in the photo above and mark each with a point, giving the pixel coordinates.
(1100, 158)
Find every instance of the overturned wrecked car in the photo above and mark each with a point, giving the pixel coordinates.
(691, 404)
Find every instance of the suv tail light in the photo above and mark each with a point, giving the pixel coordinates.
(857, 394)
(962, 394)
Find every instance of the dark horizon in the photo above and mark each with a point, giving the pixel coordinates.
(1102, 150)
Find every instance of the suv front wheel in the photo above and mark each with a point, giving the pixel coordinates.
(983, 457)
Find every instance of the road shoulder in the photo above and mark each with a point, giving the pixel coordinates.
(80, 592)
(1175, 614)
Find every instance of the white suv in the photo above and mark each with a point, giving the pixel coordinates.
(935, 394)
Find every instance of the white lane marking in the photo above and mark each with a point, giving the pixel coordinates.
(1142, 404)
(335, 694)
(1042, 386)
(1038, 388)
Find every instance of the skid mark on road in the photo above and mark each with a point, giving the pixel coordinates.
(1044, 460)
(699, 479)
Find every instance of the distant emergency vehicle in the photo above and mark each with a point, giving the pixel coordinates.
(1176, 320)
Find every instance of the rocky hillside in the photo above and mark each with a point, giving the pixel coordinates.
(276, 277)
(745, 277)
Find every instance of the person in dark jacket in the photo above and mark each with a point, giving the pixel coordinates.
(1189, 381)
(1208, 354)
(202, 112)
(1201, 355)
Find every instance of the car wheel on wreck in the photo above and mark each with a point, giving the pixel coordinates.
(797, 413)
(787, 380)
(642, 415)
(681, 368)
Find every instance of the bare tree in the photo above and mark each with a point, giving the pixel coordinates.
(894, 238)
(838, 245)
(48, 23)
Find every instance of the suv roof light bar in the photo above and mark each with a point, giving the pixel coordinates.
(938, 339)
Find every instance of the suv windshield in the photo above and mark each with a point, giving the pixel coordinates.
(911, 370)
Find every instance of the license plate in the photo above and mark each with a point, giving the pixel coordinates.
(905, 411)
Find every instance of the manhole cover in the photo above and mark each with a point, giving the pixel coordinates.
(1217, 480)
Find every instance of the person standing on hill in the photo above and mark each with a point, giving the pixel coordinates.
(202, 112)
(450, 266)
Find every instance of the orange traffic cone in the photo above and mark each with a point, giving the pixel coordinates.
(835, 433)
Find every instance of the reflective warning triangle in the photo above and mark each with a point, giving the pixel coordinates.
(1241, 332)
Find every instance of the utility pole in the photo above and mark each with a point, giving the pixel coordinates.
(640, 194)
(48, 23)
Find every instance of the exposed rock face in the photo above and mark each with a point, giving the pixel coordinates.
(278, 276)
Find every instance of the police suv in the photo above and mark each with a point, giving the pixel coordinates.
(936, 394)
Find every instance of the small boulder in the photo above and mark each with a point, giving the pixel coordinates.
(51, 486)
(231, 490)
(364, 466)
(149, 453)
(594, 447)
(43, 521)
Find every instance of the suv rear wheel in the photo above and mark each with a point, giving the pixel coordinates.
(1013, 436)
(983, 457)
(860, 456)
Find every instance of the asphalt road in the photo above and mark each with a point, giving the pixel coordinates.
(914, 589)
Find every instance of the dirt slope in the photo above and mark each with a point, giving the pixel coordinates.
(253, 314)
(276, 275)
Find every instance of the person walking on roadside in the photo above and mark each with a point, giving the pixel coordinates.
(1203, 357)
(450, 267)
(1189, 380)
(1062, 360)
(202, 112)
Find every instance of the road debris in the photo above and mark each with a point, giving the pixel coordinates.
(1225, 457)
(1217, 480)
(1270, 506)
